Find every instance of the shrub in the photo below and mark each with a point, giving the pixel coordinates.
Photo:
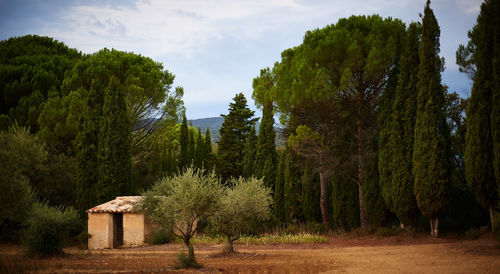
(160, 236)
(473, 234)
(49, 229)
(388, 231)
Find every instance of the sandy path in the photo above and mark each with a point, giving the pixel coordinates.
(339, 256)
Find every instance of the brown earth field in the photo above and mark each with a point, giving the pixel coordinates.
(343, 254)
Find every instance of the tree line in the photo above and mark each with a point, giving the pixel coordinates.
(372, 136)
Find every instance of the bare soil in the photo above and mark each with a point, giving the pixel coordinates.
(350, 254)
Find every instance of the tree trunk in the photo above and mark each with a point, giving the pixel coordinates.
(189, 245)
(229, 247)
(324, 198)
(361, 142)
(492, 219)
(434, 220)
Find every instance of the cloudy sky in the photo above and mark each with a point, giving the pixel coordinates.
(216, 47)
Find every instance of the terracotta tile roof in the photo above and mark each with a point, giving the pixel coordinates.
(122, 204)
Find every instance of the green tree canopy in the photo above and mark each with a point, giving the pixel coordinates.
(31, 67)
(233, 133)
(244, 208)
(431, 153)
(334, 78)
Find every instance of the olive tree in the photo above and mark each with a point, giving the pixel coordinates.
(243, 209)
(178, 202)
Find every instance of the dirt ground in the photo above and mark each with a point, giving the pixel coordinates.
(365, 254)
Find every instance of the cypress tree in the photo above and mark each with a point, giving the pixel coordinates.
(199, 155)
(208, 164)
(384, 128)
(265, 161)
(279, 202)
(401, 195)
(292, 188)
(345, 203)
(184, 144)
(191, 145)
(310, 196)
(115, 147)
(87, 149)
(482, 137)
(233, 133)
(249, 154)
(431, 154)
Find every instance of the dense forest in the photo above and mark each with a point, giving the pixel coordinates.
(370, 137)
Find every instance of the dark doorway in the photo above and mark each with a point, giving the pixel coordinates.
(117, 230)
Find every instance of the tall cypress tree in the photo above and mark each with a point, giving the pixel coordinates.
(184, 144)
(401, 195)
(199, 155)
(191, 145)
(233, 134)
(279, 196)
(250, 153)
(115, 147)
(265, 161)
(431, 154)
(87, 149)
(208, 164)
(482, 154)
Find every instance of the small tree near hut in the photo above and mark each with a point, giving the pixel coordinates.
(178, 203)
(243, 209)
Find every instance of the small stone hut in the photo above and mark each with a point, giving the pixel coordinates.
(117, 223)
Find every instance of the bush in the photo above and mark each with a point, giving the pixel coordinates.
(160, 236)
(184, 260)
(473, 234)
(49, 229)
(388, 231)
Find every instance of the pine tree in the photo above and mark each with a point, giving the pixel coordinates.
(184, 144)
(250, 152)
(115, 145)
(87, 149)
(279, 199)
(401, 194)
(482, 138)
(431, 154)
(233, 133)
(265, 161)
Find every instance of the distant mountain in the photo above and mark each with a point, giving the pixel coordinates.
(214, 123)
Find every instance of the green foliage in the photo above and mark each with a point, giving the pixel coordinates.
(473, 234)
(184, 144)
(49, 229)
(310, 195)
(244, 208)
(114, 146)
(431, 153)
(279, 194)
(265, 161)
(180, 201)
(388, 231)
(233, 134)
(249, 154)
(31, 67)
(482, 151)
(331, 83)
(186, 261)
(400, 194)
(292, 189)
(377, 214)
(22, 157)
(345, 203)
(160, 236)
(88, 157)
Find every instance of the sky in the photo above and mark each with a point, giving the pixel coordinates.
(216, 47)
